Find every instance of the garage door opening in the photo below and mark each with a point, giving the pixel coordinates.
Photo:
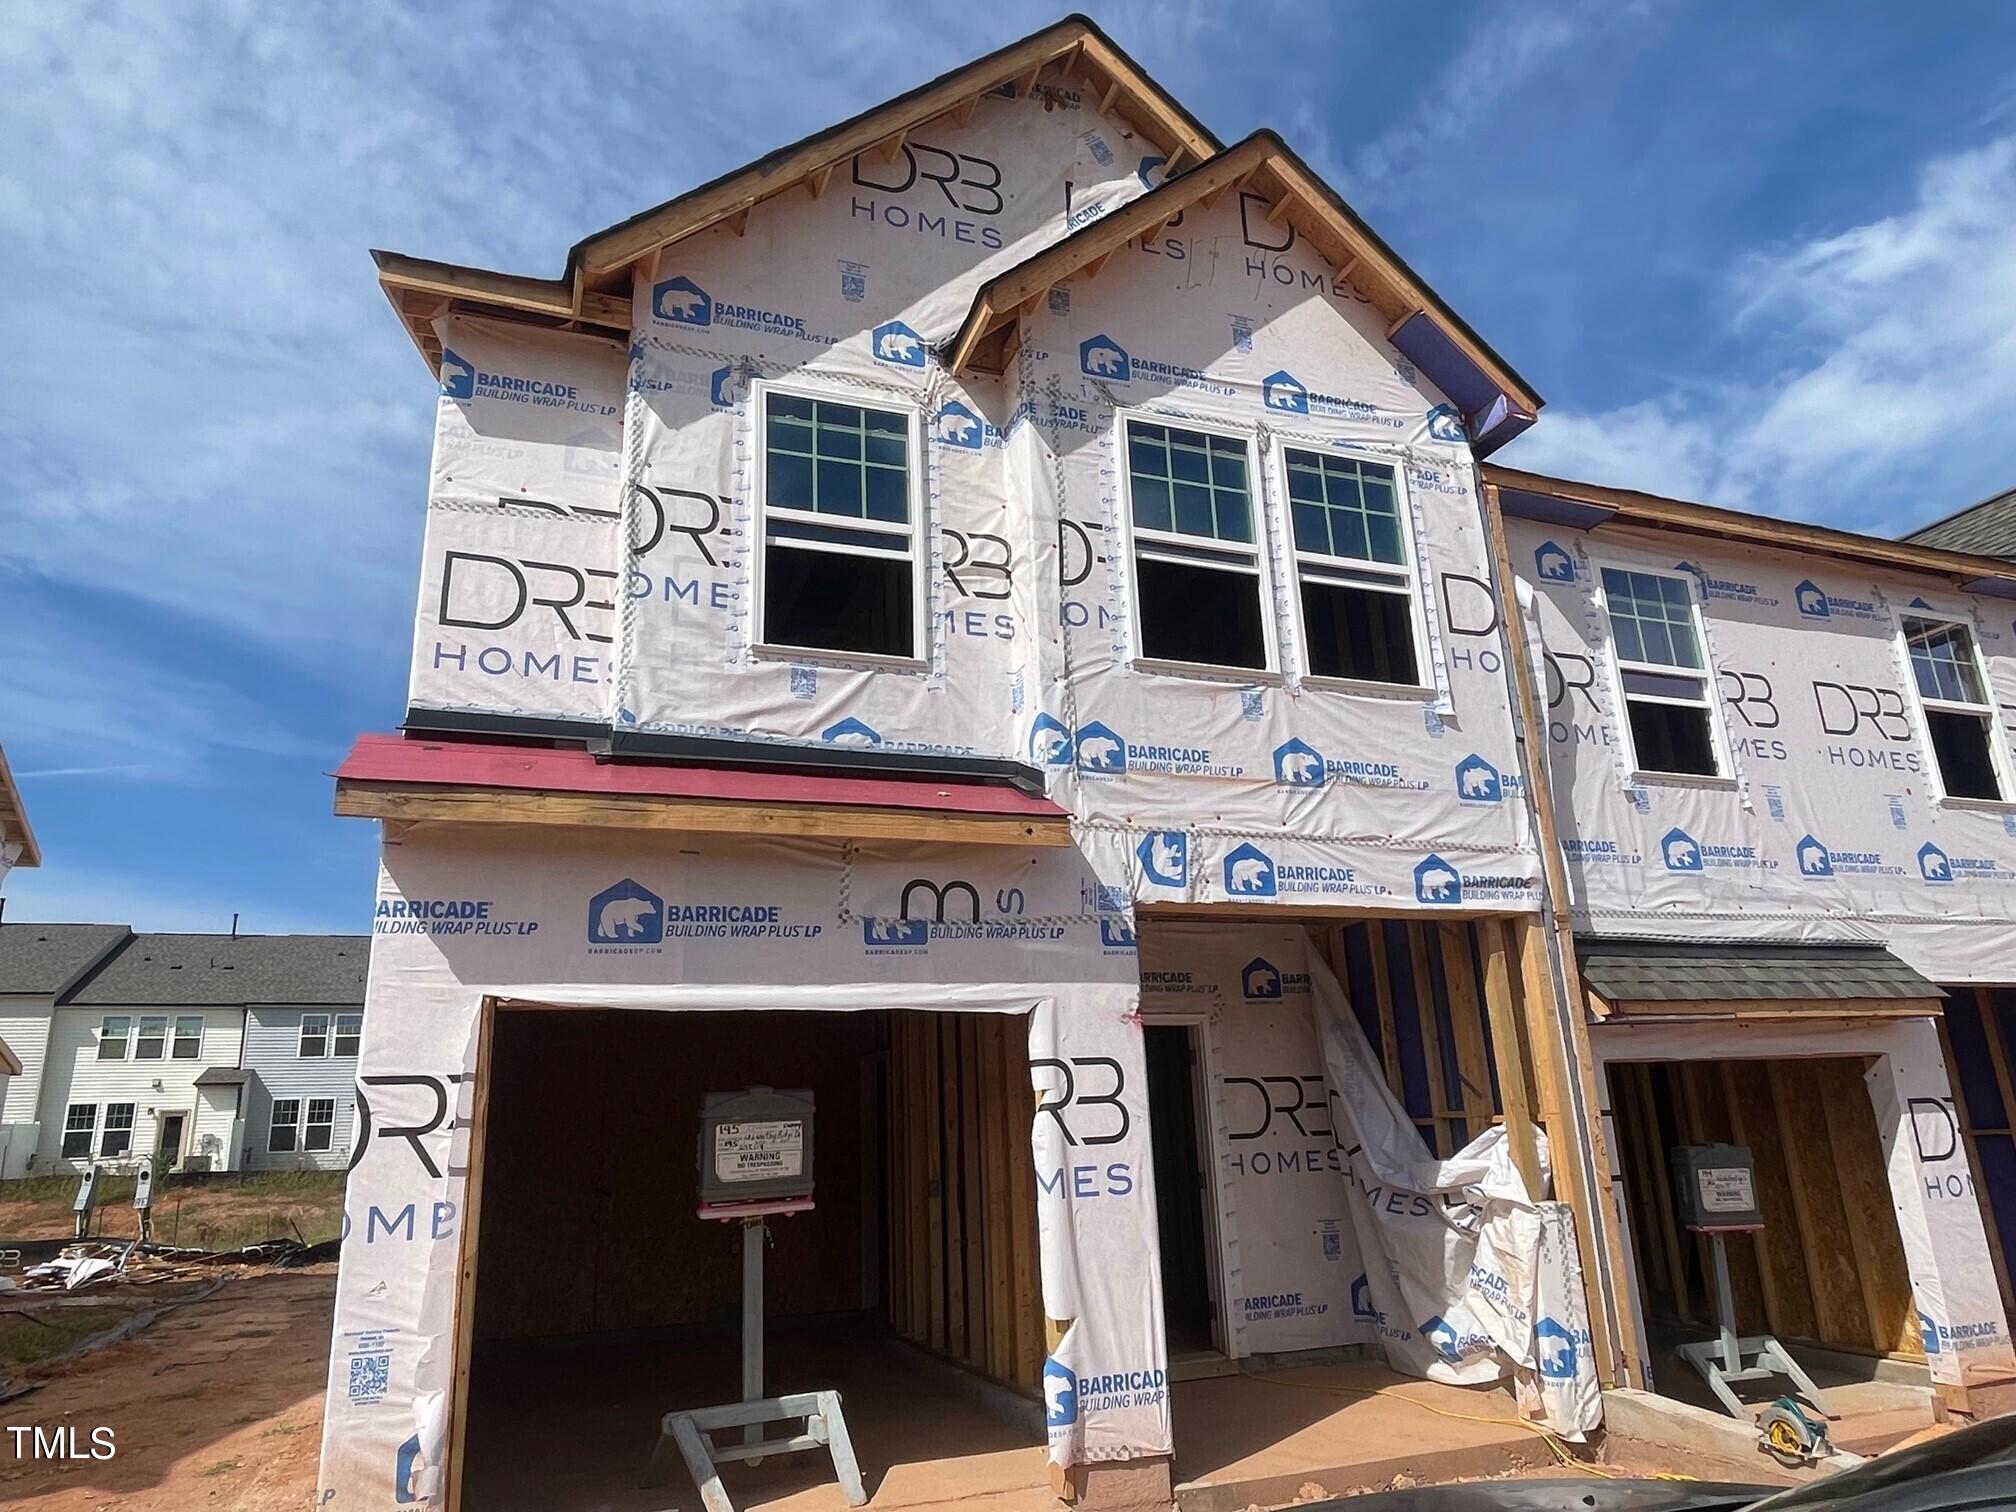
(1826, 1274)
(602, 1301)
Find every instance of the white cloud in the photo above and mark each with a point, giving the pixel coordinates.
(1883, 352)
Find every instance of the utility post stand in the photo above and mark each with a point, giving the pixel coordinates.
(688, 1431)
(1754, 1358)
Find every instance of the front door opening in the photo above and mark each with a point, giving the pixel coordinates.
(170, 1147)
(603, 1301)
(1188, 1316)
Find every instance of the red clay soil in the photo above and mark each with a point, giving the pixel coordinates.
(216, 1406)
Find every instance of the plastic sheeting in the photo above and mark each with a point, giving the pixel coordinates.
(1830, 826)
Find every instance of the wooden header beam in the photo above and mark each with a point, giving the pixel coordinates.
(431, 803)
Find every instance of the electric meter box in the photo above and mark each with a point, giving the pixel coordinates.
(1715, 1187)
(756, 1145)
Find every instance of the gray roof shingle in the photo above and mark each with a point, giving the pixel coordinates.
(168, 970)
(1671, 971)
(1985, 529)
(46, 959)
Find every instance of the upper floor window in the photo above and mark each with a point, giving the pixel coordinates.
(1959, 716)
(1199, 596)
(314, 1035)
(1668, 692)
(349, 1030)
(188, 1037)
(118, 1138)
(152, 1040)
(840, 560)
(112, 1032)
(80, 1122)
(1354, 569)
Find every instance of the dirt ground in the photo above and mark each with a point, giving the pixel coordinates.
(216, 1405)
(217, 1212)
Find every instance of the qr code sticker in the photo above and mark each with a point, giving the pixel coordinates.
(370, 1377)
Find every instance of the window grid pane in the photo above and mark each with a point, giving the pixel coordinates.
(837, 459)
(1942, 660)
(1204, 477)
(112, 1038)
(1651, 618)
(152, 1038)
(188, 1038)
(1345, 508)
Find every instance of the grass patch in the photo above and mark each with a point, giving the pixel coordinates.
(28, 1337)
(222, 1467)
(222, 1211)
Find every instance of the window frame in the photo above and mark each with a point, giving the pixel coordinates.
(106, 1131)
(160, 1038)
(310, 1123)
(337, 1035)
(274, 1124)
(176, 1038)
(71, 1130)
(1425, 666)
(922, 532)
(1724, 752)
(124, 1037)
(1998, 738)
(301, 1050)
(1270, 629)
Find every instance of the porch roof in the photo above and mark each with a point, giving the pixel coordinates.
(395, 777)
(1645, 977)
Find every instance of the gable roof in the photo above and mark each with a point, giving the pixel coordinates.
(1496, 402)
(208, 970)
(1584, 506)
(592, 294)
(49, 959)
(1986, 529)
(14, 826)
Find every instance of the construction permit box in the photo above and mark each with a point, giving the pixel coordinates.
(1715, 1187)
(756, 1146)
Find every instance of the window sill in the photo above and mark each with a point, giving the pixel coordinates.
(1683, 779)
(840, 658)
(1205, 672)
(1979, 805)
(1409, 692)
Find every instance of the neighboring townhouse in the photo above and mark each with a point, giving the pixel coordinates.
(210, 1052)
(1984, 529)
(993, 598)
(1783, 788)
(39, 965)
(17, 836)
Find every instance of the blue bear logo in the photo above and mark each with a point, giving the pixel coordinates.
(1049, 742)
(1283, 391)
(458, 375)
(681, 301)
(1260, 981)
(1477, 781)
(896, 343)
(1813, 857)
(1100, 749)
(1933, 865)
(1446, 424)
(1103, 357)
(1811, 599)
(1555, 1342)
(1165, 857)
(1553, 564)
(1680, 851)
(628, 913)
(1436, 881)
(851, 732)
(1060, 1395)
(1249, 872)
(958, 426)
(1298, 764)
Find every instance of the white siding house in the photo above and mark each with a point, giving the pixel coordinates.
(301, 1104)
(142, 1049)
(39, 964)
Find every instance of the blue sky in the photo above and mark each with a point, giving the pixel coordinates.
(1757, 255)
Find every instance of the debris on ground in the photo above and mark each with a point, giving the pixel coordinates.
(137, 1263)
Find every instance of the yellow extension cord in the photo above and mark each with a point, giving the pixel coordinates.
(1559, 1449)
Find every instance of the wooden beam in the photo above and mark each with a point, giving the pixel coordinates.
(1106, 100)
(817, 179)
(1278, 207)
(465, 1243)
(963, 111)
(463, 805)
(1510, 1045)
(892, 144)
(738, 222)
(1172, 162)
(1466, 1027)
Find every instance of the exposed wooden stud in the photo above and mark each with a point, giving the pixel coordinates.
(1173, 161)
(1768, 1280)
(1850, 1123)
(1466, 1027)
(1510, 1045)
(934, 1181)
(817, 179)
(1838, 1307)
(1027, 82)
(1106, 100)
(892, 144)
(954, 1092)
(471, 1218)
(1382, 991)
(1277, 208)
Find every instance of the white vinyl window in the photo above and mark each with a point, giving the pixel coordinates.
(112, 1032)
(1200, 589)
(80, 1122)
(118, 1138)
(283, 1133)
(321, 1123)
(1354, 569)
(314, 1035)
(1663, 676)
(840, 529)
(151, 1043)
(349, 1030)
(1959, 716)
(188, 1037)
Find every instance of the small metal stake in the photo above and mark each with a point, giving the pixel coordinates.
(754, 1232)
